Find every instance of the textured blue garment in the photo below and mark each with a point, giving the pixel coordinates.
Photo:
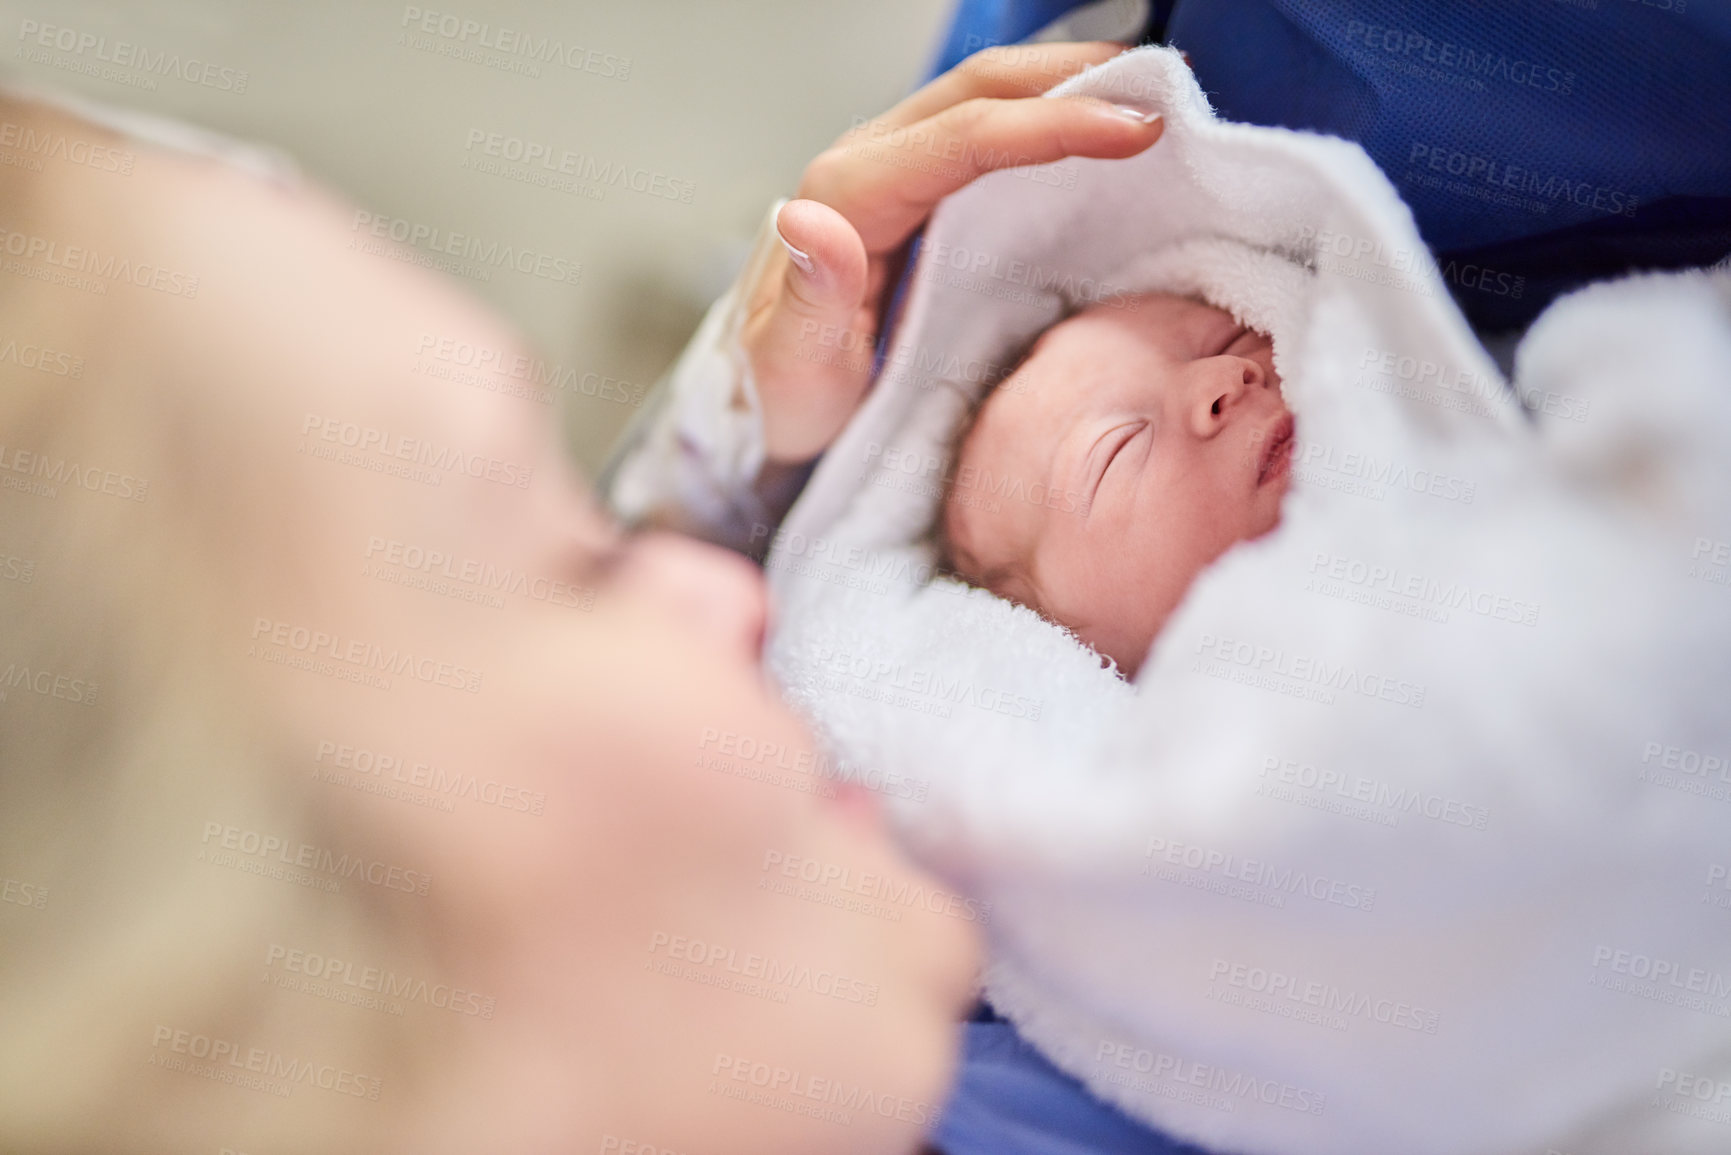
(1009, 1100)
(1539, 143)
(980, 24)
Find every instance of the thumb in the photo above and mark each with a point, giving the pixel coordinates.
(810, 340)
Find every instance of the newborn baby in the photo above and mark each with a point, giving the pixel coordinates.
(1160, 422)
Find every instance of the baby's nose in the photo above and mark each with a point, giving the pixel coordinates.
(1223, 382)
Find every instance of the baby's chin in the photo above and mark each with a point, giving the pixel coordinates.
(1126, 643)
(1127, 655)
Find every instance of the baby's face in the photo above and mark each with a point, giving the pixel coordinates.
(1132, 447)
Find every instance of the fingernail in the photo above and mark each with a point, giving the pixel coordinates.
(1136, 114)
(802, 260)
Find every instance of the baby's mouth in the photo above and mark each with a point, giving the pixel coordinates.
(1277, 457)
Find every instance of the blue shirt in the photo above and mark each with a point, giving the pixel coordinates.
(1540, 144)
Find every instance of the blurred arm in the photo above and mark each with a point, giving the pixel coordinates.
(694, 459)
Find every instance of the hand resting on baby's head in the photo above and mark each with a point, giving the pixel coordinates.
(1158, 423)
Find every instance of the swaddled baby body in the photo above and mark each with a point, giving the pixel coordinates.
(1161, 420)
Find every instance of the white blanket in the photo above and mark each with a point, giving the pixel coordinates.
(1413, 834)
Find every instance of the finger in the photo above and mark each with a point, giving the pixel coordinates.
(1004, 73)
(810, 338)
(886, 184)
(826, 263)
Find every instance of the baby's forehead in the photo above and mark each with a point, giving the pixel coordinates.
(1040, 387)
(1115, 334)
(1148, 313)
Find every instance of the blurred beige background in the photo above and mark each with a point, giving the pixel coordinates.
(729, 98)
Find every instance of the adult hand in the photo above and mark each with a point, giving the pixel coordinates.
(814, 315)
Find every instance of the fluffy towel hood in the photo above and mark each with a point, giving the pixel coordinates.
(1361, 860)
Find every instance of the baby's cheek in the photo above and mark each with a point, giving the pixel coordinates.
(973, 530)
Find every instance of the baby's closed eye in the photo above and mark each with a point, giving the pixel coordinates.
(1119, 451)
(1105, 451)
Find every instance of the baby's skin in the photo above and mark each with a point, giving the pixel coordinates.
(1159, 422)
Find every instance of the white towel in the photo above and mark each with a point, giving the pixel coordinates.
(1412, 835)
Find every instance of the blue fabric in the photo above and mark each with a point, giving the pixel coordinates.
(980, 24)
(1009, 1100)
(1539, 143)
